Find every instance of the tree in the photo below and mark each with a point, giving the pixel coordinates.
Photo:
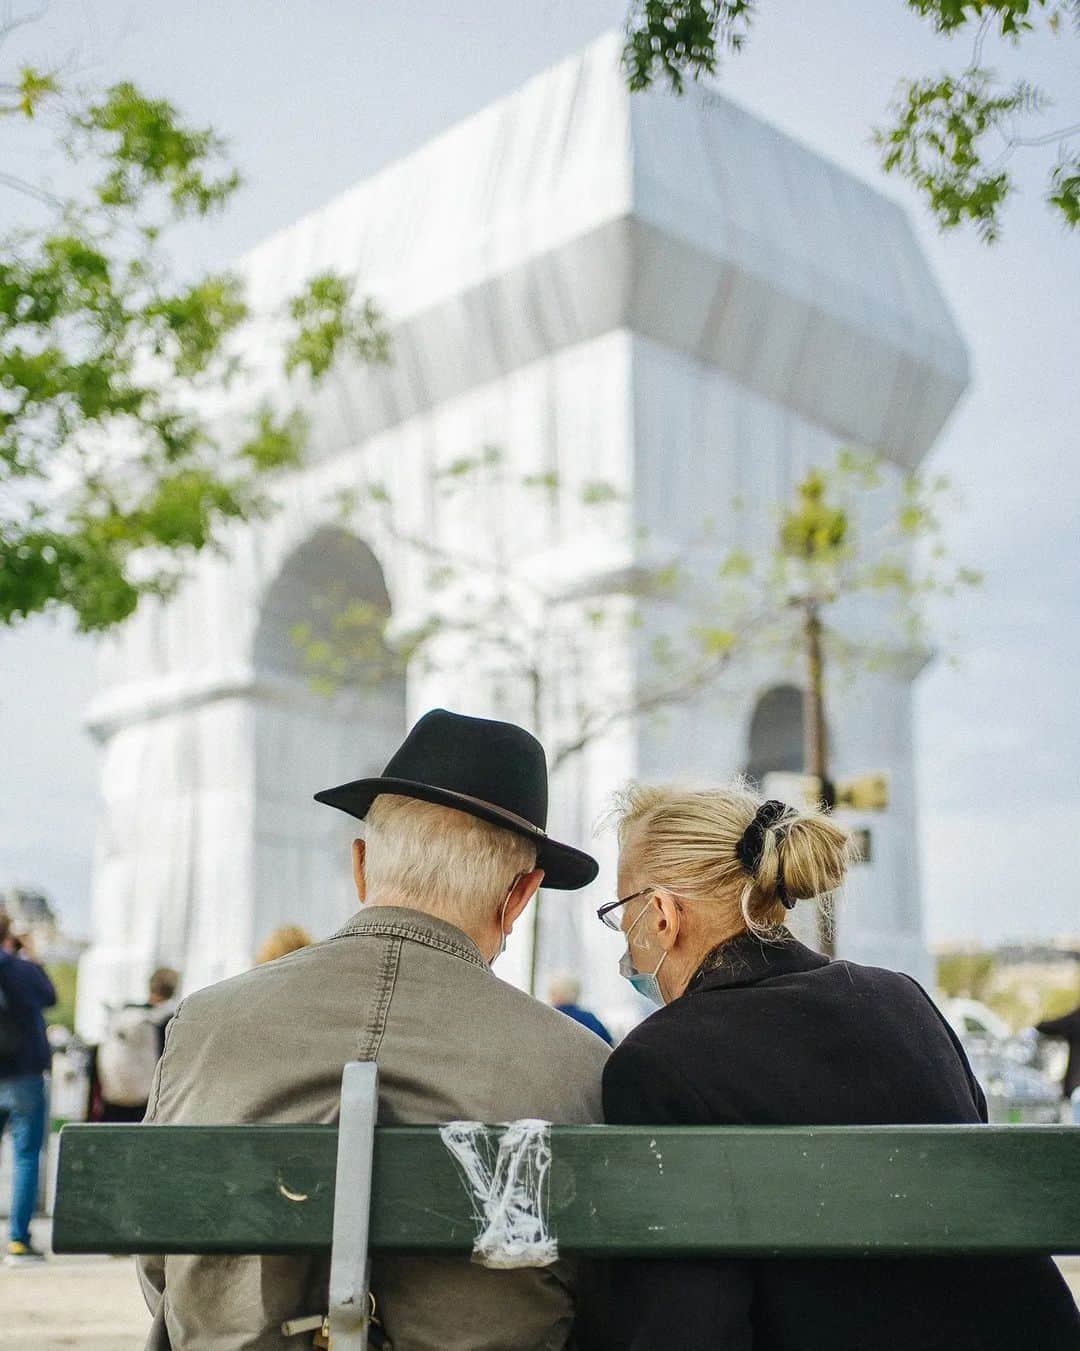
(951, 135)
(822, 558)
(111, 474)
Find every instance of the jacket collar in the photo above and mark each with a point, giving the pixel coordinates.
(398, 921)
(747, 960)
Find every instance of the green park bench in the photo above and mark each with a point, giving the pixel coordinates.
(610, 1191)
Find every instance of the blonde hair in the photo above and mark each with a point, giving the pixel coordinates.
(452, 862)
(289, 938)
(687, 840)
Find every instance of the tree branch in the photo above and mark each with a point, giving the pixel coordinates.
(30, 190)
(10, 23)
(1049, 137)
(980, 39)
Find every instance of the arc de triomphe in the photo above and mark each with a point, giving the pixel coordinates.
(665, 294)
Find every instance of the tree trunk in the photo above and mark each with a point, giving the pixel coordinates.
(815, 743)
(536, 682)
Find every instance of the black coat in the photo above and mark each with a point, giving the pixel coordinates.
(780, 1036)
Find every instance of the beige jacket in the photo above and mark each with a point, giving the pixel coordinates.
(453, 1042)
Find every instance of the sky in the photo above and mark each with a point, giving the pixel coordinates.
(314, 96)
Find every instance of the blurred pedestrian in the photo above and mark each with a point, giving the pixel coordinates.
(127, 1057)
(1068, 1028)
(288, 938)
(564, 994)
(25, 991)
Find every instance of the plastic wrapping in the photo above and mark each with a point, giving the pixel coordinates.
(505, 1171)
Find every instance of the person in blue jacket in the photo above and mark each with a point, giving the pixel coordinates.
(25, 991)
(563, 994)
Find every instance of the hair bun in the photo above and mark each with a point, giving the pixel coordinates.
(807, 858)
(751, 846)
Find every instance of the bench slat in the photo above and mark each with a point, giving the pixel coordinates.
(613, 1190)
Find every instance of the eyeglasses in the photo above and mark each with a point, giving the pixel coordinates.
(606, 913)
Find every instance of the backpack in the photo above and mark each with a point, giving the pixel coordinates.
(128, 1056)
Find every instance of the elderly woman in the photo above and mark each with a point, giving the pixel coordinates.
(757, 1029)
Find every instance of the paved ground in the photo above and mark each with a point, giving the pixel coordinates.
(93, 1304)
(88, 1303)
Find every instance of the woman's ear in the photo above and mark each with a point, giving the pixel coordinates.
(668, 919)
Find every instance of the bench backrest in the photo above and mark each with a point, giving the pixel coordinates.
(611, 1190)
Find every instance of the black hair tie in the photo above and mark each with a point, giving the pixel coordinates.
(751, 845)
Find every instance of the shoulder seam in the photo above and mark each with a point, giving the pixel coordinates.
(414, 935)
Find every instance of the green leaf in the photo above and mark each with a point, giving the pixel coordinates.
(737, 564)
(1064, 194)
(713, 641)
(347, 500)
(463, 467)
(815, 530)
(329, 321)
(667, 578)
(939, 140)
(676, 38)
(276, 442)
(889, 575)
(32, 88)
(190, 326)
(548, 481)
(1013, 16)
(598, 493)
(148, 146)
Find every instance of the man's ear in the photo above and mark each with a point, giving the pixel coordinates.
(521, 893)
(359, 849)
(668, 919)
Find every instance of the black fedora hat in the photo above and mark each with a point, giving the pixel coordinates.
(494, 770)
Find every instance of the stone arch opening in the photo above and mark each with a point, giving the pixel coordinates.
(776, 733)
(311, 734)
(326, 578)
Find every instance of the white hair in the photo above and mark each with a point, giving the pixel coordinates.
(442, 860)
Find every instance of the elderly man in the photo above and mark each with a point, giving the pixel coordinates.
(454, 850)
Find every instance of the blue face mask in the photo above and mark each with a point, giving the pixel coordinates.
(644, 982)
